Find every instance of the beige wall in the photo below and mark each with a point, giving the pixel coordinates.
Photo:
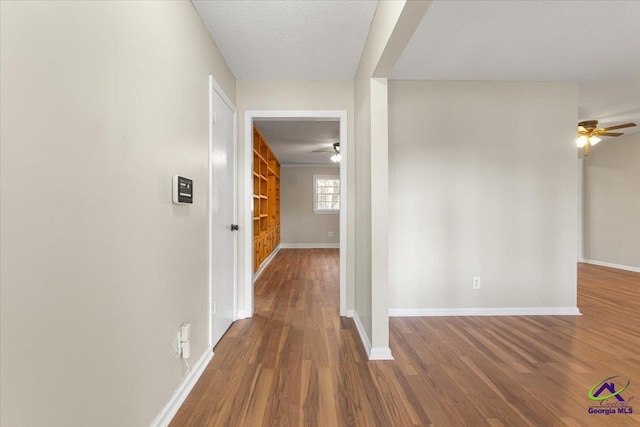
(296, 95)
(612, 202)
(363, 203)
(475, 192)
(393, 24)
(300, 224)
(101, 103)
(384, 20)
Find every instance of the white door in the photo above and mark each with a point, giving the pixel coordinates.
(223, 194)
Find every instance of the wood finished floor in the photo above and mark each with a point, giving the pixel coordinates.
(296, 362)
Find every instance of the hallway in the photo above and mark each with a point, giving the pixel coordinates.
(296, 362)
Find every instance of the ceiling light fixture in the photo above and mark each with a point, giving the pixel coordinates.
(582, 140)
(337, 156)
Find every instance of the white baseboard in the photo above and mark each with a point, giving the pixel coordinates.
(611, 265)
(499, 311)
(373, 353)
(310, 245)
(363, 334)
(241, 315)
(266, 262)
(380, 353)
(351, 313)
(177, 399)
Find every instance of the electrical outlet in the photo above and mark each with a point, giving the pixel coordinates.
(330, 233)
(185, 340)
(476, 282)
(176, 344)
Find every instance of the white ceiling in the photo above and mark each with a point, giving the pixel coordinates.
(282, 40)
(612, 102)
(293, 141)
(524, 40)
(592, 43)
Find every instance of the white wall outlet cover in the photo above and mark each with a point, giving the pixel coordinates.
(476, 282)
(185, 352)
(185, 332)
(185, 340)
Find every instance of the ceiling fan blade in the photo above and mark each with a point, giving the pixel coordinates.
(581, 129)
(626, 125)
(609, 134)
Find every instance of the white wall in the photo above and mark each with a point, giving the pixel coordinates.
(299, 223)
(482, 183)
(101, 103)
(296, 95)
(612, 201)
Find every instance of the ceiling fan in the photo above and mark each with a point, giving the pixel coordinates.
(335, 149)
(589, 134)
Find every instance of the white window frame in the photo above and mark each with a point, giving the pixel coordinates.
(315, 194)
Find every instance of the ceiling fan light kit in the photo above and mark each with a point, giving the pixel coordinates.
(589, 134)
(337, 156)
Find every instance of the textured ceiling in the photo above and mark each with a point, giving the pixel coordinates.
(589, 42)
(593, 43)
(612, 102)
(293, 141)
(524, 40)
(297, 40)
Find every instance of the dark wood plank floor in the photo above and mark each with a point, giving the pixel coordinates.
(296, 362)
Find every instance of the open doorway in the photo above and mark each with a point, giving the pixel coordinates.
(251, 118)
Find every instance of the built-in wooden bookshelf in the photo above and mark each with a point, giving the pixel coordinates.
(266, 200)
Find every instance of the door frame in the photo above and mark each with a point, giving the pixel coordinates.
(581, 198)
(214, 87)
(321, 115)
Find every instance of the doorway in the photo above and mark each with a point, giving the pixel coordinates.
(288, 115)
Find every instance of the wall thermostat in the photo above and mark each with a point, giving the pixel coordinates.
(182, 190)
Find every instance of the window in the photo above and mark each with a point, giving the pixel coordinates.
(326, 193)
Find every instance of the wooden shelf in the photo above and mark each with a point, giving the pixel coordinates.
(259, 155)
(266, 195)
